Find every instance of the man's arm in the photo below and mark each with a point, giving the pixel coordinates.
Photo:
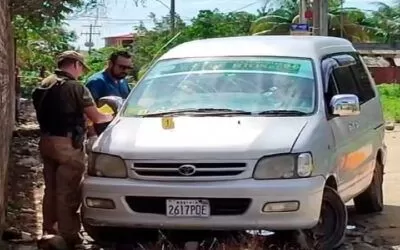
(91, 110)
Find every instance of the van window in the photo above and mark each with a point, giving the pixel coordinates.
(345, 81)
(365, 87)
(332, 90)
(353, 79)
(252, 84)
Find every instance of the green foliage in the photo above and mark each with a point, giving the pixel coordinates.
(277, 21)
(37, 46)
(384, 23)
(39, 12)
(390, 98)
(29, 80)
(207, 24)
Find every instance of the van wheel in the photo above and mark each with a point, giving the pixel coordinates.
(371, 200)
(330, 231)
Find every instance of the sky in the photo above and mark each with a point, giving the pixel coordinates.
(120, 16)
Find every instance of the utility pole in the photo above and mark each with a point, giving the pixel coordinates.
(320, 17)
(302, 11)
(341, 18)
(172, 14)
(91, 32)
(324, 18)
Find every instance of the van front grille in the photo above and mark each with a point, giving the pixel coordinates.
(188, 169)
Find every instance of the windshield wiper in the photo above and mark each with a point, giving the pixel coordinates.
(212, 111)
(282, 112)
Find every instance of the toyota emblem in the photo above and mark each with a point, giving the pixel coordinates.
(187, 170)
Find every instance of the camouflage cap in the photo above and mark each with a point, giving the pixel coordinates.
(71, 54)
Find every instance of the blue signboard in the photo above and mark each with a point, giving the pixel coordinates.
(299, 27)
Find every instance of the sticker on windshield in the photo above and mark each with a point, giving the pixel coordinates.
(242, 65)
(131, 111)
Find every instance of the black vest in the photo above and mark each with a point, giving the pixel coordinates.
(57, 110)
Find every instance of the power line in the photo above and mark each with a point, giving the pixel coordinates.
(246, 6)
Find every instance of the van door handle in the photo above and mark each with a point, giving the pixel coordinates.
(353, 125)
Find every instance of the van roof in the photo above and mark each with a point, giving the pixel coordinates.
(279, 45)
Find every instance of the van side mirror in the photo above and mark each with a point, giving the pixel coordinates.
(345, 105)
(115, 102)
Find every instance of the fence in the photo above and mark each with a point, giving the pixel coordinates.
(385, 74)
(7, 103)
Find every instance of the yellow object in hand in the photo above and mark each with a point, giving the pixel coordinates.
(105, 109)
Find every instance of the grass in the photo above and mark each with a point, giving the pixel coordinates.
(390, 98)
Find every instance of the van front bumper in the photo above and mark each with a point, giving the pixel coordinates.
(240, 203)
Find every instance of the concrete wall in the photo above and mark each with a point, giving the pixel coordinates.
(6, 101)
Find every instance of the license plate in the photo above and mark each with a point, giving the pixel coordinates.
(188, 208)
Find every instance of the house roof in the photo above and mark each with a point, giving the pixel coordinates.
(129, 35)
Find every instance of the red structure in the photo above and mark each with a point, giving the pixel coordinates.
(120, 40)
(385, 74)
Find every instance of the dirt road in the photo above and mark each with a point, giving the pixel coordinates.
(381, 231)
(385, 227)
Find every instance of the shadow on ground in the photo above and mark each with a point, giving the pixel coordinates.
(382, 228)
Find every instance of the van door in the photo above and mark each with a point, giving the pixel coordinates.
(371, 120)
(347, 131)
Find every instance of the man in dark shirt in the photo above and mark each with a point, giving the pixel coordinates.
(62, 105)
(111, 81)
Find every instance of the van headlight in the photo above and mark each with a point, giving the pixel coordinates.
(284, 166)
(104, 165)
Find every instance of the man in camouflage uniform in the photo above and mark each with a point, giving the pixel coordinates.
(62, 105)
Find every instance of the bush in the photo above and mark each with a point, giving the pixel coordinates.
(390, 98)
(29, 80)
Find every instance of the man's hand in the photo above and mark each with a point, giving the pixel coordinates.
(96, 116)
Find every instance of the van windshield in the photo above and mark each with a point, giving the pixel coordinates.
(251, 85)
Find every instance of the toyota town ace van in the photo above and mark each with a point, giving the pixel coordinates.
(258, 132)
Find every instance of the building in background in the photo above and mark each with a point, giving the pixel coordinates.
(125, 40)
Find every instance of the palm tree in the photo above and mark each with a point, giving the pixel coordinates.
(349, 22)
(385, 22)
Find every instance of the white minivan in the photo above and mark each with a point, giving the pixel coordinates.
(257, 132)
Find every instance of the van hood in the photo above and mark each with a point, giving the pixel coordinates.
(206, 138)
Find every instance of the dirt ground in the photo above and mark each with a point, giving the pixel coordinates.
(385, 227)
(381, 231)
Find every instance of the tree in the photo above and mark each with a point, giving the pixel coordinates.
(41, 11)
(38, 46)
(385, 23)
(207, 24)
(278, 21)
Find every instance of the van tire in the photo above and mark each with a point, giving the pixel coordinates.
(334, 212)
(371, 200)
